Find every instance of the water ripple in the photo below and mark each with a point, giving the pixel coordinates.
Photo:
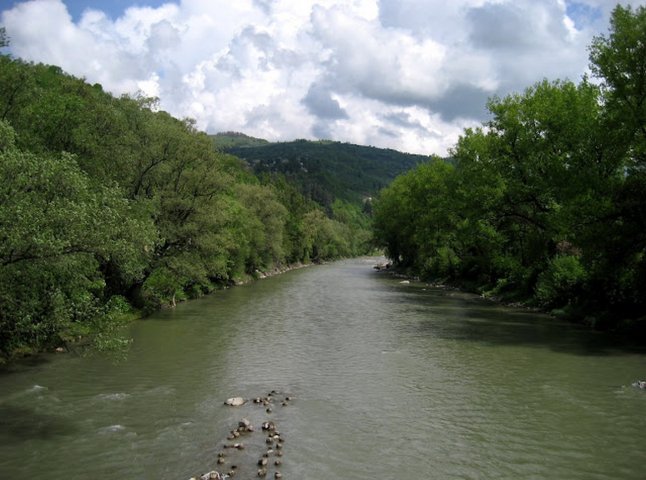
(390, 381)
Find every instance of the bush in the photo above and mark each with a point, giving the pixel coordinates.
(162, 288)
(561, 282)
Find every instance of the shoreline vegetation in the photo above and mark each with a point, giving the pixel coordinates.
(447, 285)
(111, 209)
(82, 344)
(545, 204)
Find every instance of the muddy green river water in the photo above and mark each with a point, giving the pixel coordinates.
(389, 381)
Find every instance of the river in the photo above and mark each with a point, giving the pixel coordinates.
(389, 380)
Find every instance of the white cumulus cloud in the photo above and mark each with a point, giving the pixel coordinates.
(404, 74)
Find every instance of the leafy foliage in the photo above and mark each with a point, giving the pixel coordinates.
(108, 203)
(546, 202)
(56, 226)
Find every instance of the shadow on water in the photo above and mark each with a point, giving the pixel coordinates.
(28, 363)
(455, 315)
(19, 424)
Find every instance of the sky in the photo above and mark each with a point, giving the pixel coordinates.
(404, 74)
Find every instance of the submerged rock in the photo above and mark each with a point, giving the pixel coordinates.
(213, 475)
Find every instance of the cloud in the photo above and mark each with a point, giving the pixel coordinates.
(320, 103)
(462, 101)
(405, 74)
(378, 63)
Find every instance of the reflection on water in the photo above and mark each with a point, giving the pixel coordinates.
(390, 381)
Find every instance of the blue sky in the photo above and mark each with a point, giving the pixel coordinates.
(113, 8)
(403, 74)
(583, 14)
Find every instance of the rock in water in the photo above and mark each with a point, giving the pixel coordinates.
(245, 424)
(235, 401)
(213, 475)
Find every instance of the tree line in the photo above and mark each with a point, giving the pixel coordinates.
(109, 207)
(546, 202)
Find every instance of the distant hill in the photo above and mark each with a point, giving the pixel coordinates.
(325, 170)
(226, 140)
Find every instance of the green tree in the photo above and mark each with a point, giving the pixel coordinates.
(358, 225)
(326, 239)
(412, 217)
(547, 199)
(619, 60)
(269, 216)
(56, 227)
(545, 146)
(17, 82)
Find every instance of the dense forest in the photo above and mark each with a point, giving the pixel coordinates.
(110, 207)
(324, 170)
(546, 202)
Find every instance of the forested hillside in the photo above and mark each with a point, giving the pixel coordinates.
(546, 203)
(326, 170)
(227, 140)
(108, 204)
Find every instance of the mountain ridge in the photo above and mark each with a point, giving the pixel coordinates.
(324, 170)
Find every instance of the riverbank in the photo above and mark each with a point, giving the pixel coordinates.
(627, 329)
(113, 342)
(278, 270)
(516, 302)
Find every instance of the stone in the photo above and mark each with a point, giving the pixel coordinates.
(213, 475)
(244, 423)
(235, 401)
